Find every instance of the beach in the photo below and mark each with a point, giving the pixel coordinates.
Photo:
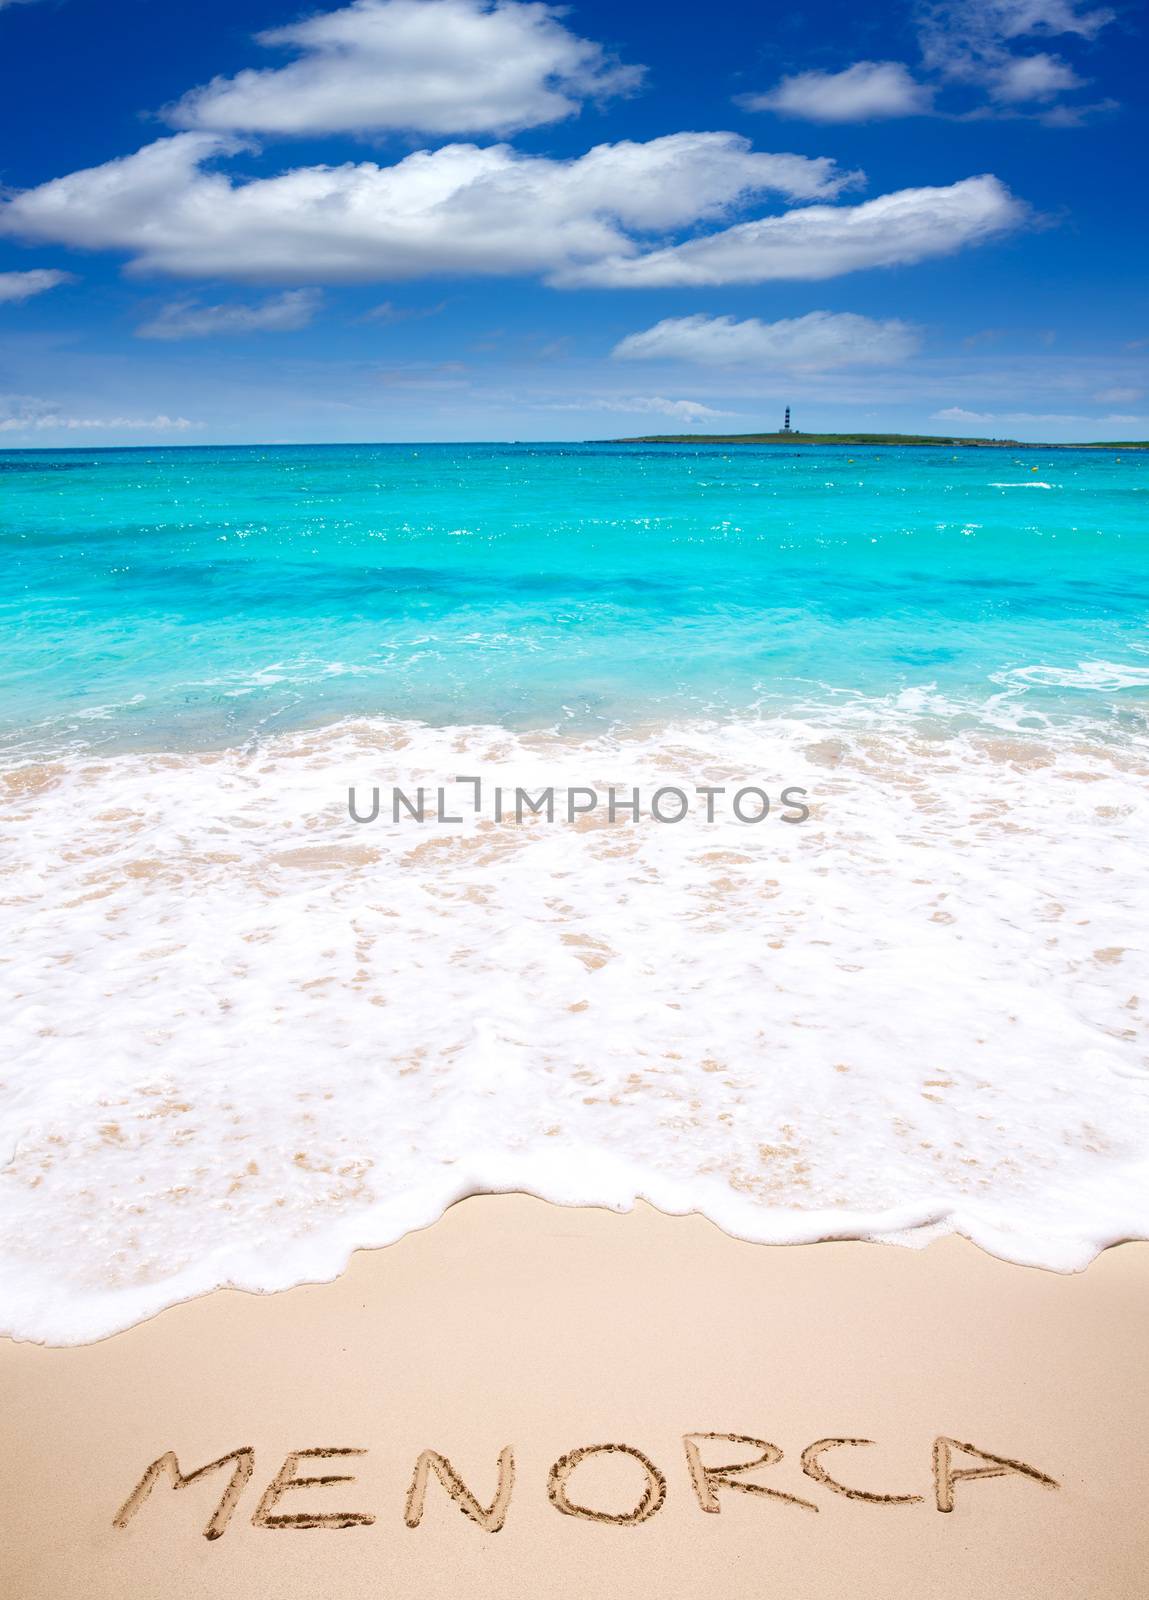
(525, 1331)
(540, 977)
(574, 789)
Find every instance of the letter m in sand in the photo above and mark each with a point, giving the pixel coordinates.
(167, 1466)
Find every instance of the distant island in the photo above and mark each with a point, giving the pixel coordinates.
(859, 439)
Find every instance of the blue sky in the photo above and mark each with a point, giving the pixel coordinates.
(444, 219)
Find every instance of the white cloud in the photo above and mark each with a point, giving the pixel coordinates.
(820, 242)
(865, 92)
(961, 41)
(1058, 418)
(958, 414)
(970, 41)
(187, 319)
(1040, 77)
(458, 209)
(684, 410)
(26, 414)
(641, 405)
(959, 36)
(817, 341)
(16, 286)
(431, 66)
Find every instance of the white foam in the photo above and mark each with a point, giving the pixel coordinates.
(245, 1035)
(1100, 676)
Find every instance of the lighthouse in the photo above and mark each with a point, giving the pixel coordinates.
(786, 424)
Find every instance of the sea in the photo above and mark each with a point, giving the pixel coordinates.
(758, 831)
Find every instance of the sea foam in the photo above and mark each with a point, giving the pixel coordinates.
(244, 1035)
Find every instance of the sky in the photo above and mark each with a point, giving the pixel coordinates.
(242, 222)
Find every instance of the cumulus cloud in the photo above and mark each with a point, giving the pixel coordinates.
(820, 242)
(430, 66)
(187, 319)
(458, 209)
(16, 286)
(865, 92)
(819, 340)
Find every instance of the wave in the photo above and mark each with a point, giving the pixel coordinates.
(248, 1035)
(1099, 676)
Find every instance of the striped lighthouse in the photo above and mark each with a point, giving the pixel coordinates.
(786, 424)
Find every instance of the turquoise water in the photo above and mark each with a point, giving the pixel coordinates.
(187, 598)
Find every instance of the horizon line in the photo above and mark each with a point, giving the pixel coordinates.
(823, 440)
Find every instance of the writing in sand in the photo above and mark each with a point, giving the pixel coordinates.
(825, 1463)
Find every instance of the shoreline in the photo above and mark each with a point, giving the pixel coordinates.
(846, 714)
(802, 1232)
(594, 1389)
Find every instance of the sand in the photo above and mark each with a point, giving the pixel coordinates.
(512, 1335)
